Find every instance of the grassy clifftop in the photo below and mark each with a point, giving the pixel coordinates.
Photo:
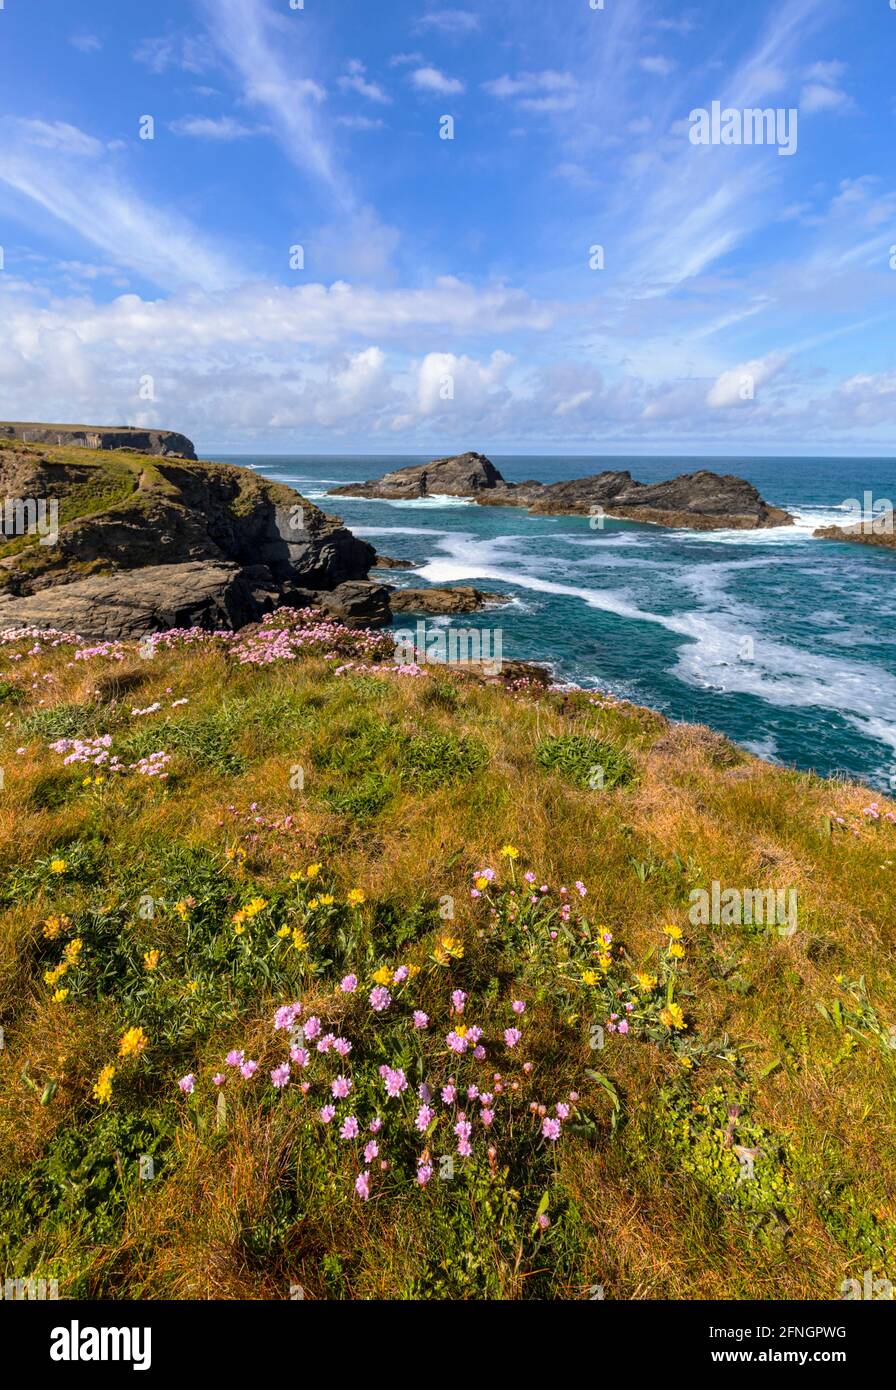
(526, 1068)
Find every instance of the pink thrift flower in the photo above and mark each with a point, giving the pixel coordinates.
(248, 1069)
(512, 1036)
(380, 999)
(235, 1059)
(400, 975)
(341, 1087)
(299, 1056)
(551, 1129)
(327, 1113)
(312, 1028)
(280, 1076)
(449, 1094)
(562, 1111)
(421, 1020)
(424, 1118)
(424, 1173)
(187, 1084)
(458, 999)
(349, 1128)
(362, 1185)
(219, 1078)
(518, 1006)
(342, 1046)
(349, 984)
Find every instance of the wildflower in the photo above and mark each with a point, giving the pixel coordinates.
(449, 1093)
(326, 900)
(60, 996)
(487, 1116)
(284, 932)
(313, 870)
(349, 984)
(349, 1128)
(362, 1185)
(457, 1040)
(248, 1070)
(448, 948)
(509, 852)
(51, 976)
(187, 1084)
(280, 1076)
(151, 959)
(421, 1020)
(646, 982)
(132, 1043)
(400, 975)
(512, 1036)
(327, 1042)
(518, 1006)
(589, 977)
(299, 940)
(312, 1028)
(58, 866)
(300, 1056)
(342, 1046)
(673, 931)
(529, 876)
(383, 976)
(424, 1173)
(371, 1151)
(356, 897)
(676, 951)
(219, 1078)
(102, 1091)
(424, 1117)
(551, 1130)
(375, 1125)
(395, 1081)
(380, 999)
(458, 1000)
(235, 1059)
(479, 1054)
(341, 1087)
(562, 1111)
(672, 1017)
(544, 1221)
(53, 926)
(580, 888)
(286, 1016)
(480, 883)
(327, 1113)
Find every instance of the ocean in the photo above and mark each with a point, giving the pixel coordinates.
(785, 643)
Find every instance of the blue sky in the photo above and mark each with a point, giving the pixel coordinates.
(449, 296)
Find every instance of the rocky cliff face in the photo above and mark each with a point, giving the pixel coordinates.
(159, 442)
(698, 501)
(141, 545)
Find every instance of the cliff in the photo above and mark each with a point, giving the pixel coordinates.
(160, 442)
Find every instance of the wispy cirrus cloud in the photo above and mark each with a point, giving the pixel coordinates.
(448, 21)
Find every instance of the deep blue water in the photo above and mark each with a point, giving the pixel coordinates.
(667, 618)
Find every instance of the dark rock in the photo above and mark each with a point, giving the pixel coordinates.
(357, 604)
(880, 531)
(154, 599)
(442, 600)
(385, 562)
(462, 475)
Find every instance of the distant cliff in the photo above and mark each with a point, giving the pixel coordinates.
(162, 443)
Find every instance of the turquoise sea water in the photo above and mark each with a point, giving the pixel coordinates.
(785, 643)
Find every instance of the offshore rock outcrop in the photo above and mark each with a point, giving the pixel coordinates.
(698, 501)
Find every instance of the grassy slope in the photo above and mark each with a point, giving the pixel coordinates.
(410, 787)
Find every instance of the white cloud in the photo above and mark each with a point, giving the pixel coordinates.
(59, 136)
(355, 81)
(361, 122)
(86, 43)
(450, 21)
(738, 386)
(431, 80)
(188, 52)
(209, 128)
(657, 65)
(400, 60)
(815, 97)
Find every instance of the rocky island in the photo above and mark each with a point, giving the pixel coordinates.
(702, 501)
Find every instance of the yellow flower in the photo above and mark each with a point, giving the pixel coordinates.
(60, 996)
(51, 976)
(253, 908)
(672, 1017)
(687, 1063)
(238, 854)
(461, 1030)
(589, 977)
(413, 970)
(383, 976)
(509, 852)
(98, 781)
(54, 925)
(239, 917)
(58, 866)
(132, 1043)
(192, 986)
(326, 900)
(151, 959)
(482, 883)
(299, 940)
(313, 870)
(182, 909)
(646, 982)
(284, 932)
(448, 947)
(73, 950)
(238, 928)
(102, 1091)
(356, 896)
(297, 875)
(676, 951)
(673, 931)
(86, 781)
